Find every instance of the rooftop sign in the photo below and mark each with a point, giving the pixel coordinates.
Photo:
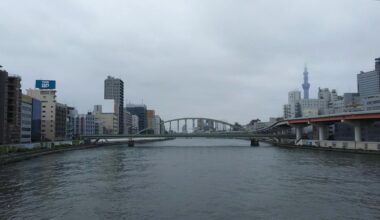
(45, 84)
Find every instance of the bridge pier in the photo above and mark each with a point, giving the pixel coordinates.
(131, 143)
(254, 142)
(358, 131)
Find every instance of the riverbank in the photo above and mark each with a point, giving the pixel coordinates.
(37, 152)
(290, 144)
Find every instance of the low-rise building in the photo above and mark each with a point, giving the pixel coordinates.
(108, 121)
(157, 124)
(127, 122)
(135, 124)
(84, 124)
(72, 113)
(60, 121)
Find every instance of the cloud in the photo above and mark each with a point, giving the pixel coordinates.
(231, 60)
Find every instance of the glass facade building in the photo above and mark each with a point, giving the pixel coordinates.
(141, 112)
(369, 82)
(36, 120)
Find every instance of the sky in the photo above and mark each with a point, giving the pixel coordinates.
(223, 59)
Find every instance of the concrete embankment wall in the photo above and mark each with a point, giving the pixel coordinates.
(40, 149)
(350, 146)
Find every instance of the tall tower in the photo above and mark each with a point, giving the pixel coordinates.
(114, 89)
(306, 84)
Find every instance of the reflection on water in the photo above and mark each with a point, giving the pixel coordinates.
(192, 179)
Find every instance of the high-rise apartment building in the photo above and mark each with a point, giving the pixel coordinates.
(369, 82)
(114, 89)
(293, 109)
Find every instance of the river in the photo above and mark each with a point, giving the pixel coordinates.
(192, 179)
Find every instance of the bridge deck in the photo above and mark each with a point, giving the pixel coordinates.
(180, 135)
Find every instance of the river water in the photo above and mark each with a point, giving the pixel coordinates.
(192, 179)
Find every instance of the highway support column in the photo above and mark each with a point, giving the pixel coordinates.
(298, 132)
(322, 128)
(358, 131)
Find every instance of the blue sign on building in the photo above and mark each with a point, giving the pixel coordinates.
(45, 84)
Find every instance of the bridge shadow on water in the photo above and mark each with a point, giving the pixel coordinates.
(199, 142)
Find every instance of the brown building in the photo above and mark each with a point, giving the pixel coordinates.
(3, 105)
(10, 110)
(14, 109)
(150, 118)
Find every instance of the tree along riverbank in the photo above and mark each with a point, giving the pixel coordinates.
(11, 154)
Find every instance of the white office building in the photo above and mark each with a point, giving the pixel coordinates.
(48, 111)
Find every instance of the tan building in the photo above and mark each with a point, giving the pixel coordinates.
(48, 111)
(150, 119)
(107, 122)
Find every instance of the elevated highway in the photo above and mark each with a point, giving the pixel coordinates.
(357, 119)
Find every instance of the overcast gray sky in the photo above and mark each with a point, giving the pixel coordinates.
(231, 60)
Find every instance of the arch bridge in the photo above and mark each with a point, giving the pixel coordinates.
(201, 128)
(198, 124)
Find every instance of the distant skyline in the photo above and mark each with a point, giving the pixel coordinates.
(228, 60)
